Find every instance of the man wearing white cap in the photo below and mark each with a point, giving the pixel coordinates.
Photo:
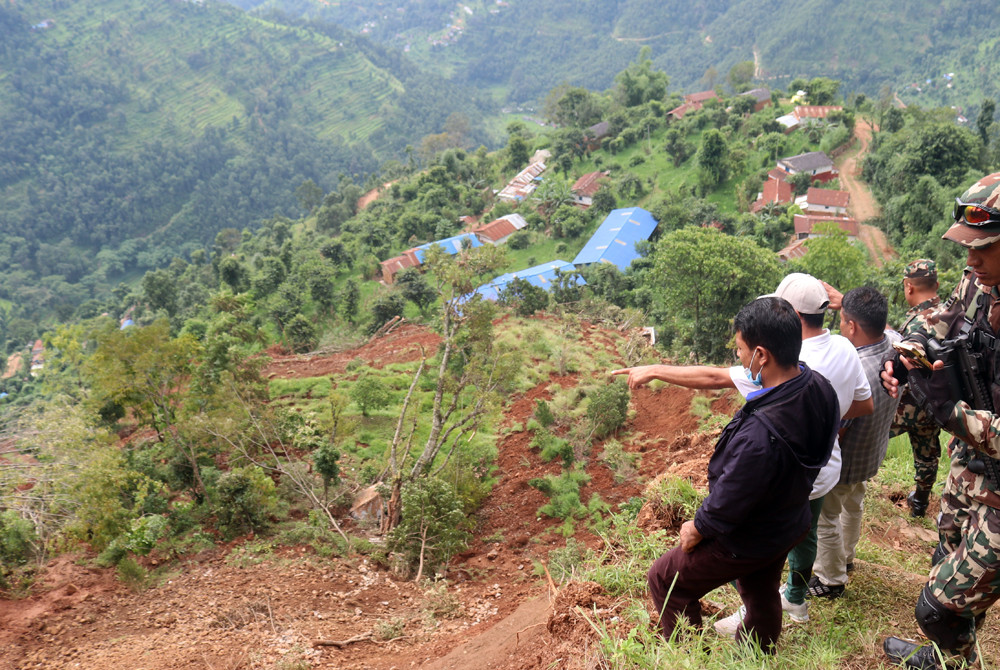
(832, 356)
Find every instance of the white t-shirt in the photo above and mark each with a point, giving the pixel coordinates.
(834, 357)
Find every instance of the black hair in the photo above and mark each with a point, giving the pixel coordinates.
(866, 307)
(771, 323)
(812, 320)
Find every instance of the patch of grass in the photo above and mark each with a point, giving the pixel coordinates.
(622, 463)
(389, 629)
(133, 575)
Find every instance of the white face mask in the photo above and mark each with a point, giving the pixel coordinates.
(758, 379)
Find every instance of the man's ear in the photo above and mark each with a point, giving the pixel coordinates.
(764, 356)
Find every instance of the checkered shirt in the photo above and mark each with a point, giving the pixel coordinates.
(864, 442)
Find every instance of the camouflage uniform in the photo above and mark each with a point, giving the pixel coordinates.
(922, 429)
(965, 580)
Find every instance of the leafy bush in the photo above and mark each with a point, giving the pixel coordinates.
(608, 408)
(433, 525)
(519, 240)
(18, 540)
(370, 393)
(300, 334)
(246, 500)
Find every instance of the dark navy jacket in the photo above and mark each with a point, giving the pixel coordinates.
(764, 465)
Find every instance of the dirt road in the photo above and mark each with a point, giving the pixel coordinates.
(863, 205)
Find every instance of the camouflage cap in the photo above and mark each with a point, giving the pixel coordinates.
(922, 267)
(985, 192)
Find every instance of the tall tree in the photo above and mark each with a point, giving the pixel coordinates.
(703, 278)
(473, 369)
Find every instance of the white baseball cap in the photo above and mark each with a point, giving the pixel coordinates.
(805, 293)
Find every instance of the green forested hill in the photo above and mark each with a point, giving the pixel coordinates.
(529, 47)
(131, 132)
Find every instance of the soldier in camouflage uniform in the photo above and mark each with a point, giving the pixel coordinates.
(965, 580)
(920, 289)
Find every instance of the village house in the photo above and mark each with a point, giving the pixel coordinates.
(597, 132)
(814, 163)
(499, 231)
(585, 187)
(777, 191)
(804, 224)
(761, 96)
(795, 249)
(614, 241)
(522, 185)
(692, 103)
(543, 276)
(824, 202)
(804, 115)
(392, 266)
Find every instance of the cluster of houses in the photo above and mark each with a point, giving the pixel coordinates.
(614, 241)
(499, 230)
(818, 205)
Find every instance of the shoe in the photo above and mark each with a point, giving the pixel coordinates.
(918, 500)
(818, 589)
(850, 568)
(911, 655)
(727, 627)
(797, 613)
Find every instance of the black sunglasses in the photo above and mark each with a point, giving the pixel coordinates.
(975, 215)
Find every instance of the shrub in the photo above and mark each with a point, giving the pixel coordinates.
(543, 413)
(433, 525)
(300, 334)
(246, 500)
(519, 240)
(608, 408)
(370, 393)
(18, 539)
(133, 575)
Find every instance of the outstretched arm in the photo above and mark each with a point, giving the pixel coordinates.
(690, 376)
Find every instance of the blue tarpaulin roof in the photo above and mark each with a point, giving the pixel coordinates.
(452, 245)
(543, 275)
(614, 242)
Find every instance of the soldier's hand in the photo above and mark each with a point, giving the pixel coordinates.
(889, 382)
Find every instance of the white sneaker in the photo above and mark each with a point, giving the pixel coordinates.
(797, 613)
(727, 627)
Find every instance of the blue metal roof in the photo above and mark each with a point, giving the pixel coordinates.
(614, 241)
(452, 245)
(543, 275)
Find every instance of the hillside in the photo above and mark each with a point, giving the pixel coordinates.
(132, 132)
(527, 48)
(252, 603)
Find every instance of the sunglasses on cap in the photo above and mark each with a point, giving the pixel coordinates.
(975, 215)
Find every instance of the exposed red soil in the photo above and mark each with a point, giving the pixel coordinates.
(406, 343)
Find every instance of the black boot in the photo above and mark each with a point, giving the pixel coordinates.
(918, 500)
(911, 655)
